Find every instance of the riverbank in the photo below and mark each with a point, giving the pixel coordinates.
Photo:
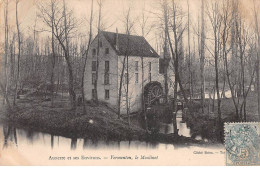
(99, 122)
(228, 108)
(228, 111)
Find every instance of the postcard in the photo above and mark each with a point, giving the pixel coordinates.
(129, 82)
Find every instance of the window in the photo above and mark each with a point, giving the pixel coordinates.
(136, 65)
(93, 93)
(150, 66)
(106, 94)
(94, 65)
(107, 50)
(161, 66)
(94, 52)
(136, 77)
(126, 78)
(106, 66)
(100, 44)
(93, 78)
(106, 78)
(150, 77)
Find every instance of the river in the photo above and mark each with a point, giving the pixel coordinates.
(28, 137)
(31, 143)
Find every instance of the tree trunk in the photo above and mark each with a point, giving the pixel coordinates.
(258, 60)
(98, 51)
(202, 57)
(19, 53)
(85, 60)
(120, 88)
(127, 90)
(67, 57)
(189, 62)
(53, 55)
(175, 107)
(6, 50)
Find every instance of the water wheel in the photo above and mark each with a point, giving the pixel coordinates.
(153, 92)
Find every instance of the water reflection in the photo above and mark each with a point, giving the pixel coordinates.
(31, 139)
(10, 136)
(199, 129)
(73, 144)
(167, 127)
(195, 128)
(52, 140)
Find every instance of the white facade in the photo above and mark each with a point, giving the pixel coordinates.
(109, 55)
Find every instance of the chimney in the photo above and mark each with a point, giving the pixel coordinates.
(117, 47)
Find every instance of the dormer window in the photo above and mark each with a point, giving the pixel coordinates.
(94, 52)
(100, 44)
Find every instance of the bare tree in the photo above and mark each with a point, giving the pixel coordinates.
(100, 5)
(53, 49)
(85, 59)
(64, 25)
(175, 51)
(6, 49)
(144, 24)
(258, 57)
(19, 52)
(202, 56)
(165, 50)
(4, 88)
(125, 65)
(216, 21)
(230, 75)
(49, 19)
(189, 55)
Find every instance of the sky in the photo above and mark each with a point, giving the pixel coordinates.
(113, 13)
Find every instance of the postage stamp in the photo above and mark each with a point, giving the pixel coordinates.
(242, 143)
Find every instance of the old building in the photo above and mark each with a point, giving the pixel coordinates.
(113, 48)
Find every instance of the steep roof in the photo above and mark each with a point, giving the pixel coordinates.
(130, 45)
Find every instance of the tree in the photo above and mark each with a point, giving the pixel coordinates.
(125, 65)
(177, 34)
(202, 56)
(19, 52)
(189, 55)
(85, 60)
(100, 4)
(165, 50)
(49, 19)
(232, 25)
(145, 32)
(216, 21)
(6, 49)
(258, 57)
(53, 50)
(64, 24)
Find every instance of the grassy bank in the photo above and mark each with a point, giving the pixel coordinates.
(206, 124)
(227, 108)
(98, 122)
